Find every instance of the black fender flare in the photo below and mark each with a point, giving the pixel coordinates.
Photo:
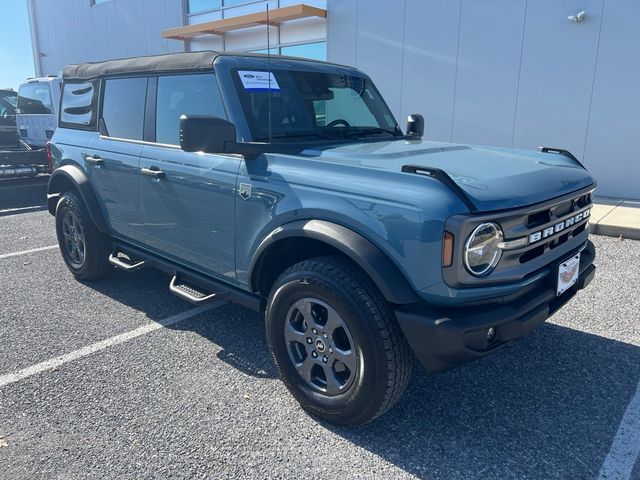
(393, 285)
(69, 177)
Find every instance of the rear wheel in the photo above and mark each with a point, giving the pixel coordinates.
(84, 248)
(335, 342)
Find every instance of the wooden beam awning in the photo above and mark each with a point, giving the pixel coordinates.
(219, 27)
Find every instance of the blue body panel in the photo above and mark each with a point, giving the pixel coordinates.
(401, 214)
(493, 178)
(196, 216)
(116, 183)
(189, 214)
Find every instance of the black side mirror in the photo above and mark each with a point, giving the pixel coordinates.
(415, 125)
(200, 133)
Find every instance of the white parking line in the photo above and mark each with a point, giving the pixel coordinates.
(22, 209)
(24, 252)
(625, 449)
(50, 364)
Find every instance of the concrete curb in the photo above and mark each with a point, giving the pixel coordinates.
(614, 218)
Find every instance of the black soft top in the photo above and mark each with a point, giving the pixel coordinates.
(172, 62)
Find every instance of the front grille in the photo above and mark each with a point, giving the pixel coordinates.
(531, 254)
(550, 217)
(557, 211)
(553, 230)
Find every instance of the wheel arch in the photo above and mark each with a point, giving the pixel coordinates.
(307, 238)
(71, 177)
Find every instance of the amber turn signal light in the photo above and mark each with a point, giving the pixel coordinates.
(447, 249)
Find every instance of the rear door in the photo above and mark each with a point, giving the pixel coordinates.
(113, 155)
(188, 208)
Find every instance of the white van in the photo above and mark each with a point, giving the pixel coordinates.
(37, 110)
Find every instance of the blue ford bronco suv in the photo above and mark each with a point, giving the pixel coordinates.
(287, 186)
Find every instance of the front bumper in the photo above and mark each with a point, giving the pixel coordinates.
(443, 338)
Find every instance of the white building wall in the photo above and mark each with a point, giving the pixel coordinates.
(73, 31)
(507, 72)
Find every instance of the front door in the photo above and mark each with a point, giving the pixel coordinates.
(188, 199)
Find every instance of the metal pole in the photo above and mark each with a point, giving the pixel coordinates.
(35, 47)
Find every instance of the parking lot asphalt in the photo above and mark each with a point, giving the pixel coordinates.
(199, 398)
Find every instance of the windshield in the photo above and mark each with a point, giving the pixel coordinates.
(309, 105)
(7, 104)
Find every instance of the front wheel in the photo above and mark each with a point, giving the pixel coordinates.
(84, 248)
(335, 342)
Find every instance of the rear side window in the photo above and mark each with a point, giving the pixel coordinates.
(78, 105)
(34, 99)
(184, 95)
(123, 107)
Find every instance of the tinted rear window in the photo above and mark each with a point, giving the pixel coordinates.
(123, 107)
(35, 98)
(78, 104)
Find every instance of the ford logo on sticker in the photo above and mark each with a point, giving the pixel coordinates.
(248, 75)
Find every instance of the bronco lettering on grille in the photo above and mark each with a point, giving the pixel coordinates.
(558, 227)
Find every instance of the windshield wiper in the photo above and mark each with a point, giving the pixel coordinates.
(371, 131)
(340, 134)
(296, 135)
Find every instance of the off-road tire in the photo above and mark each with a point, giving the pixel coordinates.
(97, 245)
(383, 356)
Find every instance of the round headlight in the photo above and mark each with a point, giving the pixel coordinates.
(481, 252)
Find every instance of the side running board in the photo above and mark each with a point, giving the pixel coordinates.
(444, 178)
(191, 293)
(125, 263)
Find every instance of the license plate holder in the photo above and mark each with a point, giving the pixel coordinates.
(568, 272)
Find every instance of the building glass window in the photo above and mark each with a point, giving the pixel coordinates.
(315, 51)
(272, 51)
(231, 3)
(196, 6)
(123, 107)
(184, 95)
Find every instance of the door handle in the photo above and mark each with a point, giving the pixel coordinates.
(94, 160)
(152, 172)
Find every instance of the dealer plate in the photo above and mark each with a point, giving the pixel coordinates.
(568, 272)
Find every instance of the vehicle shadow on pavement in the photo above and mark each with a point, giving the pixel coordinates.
(239, 332)
(23, 193)
(146, 291)
(547, 406)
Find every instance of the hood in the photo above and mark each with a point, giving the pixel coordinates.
(493, 178)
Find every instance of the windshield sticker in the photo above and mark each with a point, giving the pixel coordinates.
(254, 81)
